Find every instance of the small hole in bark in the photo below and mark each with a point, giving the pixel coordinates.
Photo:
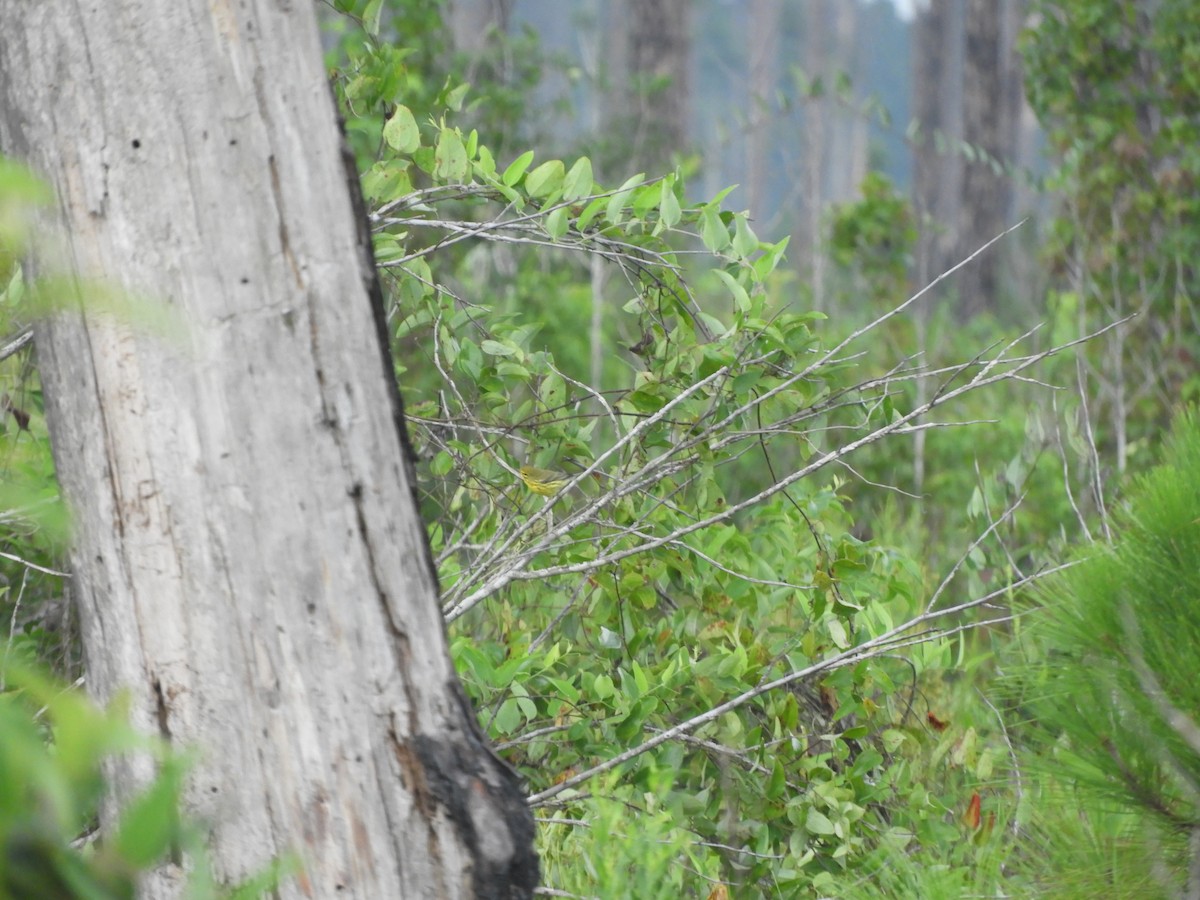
(136, 143)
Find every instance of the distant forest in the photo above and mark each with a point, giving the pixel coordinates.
(793, 102)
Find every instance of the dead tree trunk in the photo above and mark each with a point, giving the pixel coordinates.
(248, 560)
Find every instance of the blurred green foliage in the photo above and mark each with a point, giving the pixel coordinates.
(33, 527)
(1108, 689)
(53, 746)
(1104, 690)
(1117, 88)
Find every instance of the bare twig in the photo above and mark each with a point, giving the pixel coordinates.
(1018, 792)
(27, 564)
(15, 344)
(514, 569)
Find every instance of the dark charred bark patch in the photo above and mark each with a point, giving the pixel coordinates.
(483, 799)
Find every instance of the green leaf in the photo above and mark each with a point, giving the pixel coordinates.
(566, 690)
(495, 348)
(976, 505)
(371, 16)
(486, 165)
(837, 631)
(528, 707)
(713, 230)
(716, 201)
(386, 180)
(150, 825)
(669, 204)
(630, 727)
(552, 391)
(893, 739)
(745, 241)
(517, 168)
(639, 678)
(454, 99)
(508, 717)
(589, 213)
(401, 131)
(740, 297)
(765, 264)
(558, 222)
(490, 179)
(603, 687)
(512, 369)
(616, 204)
(425, 158)
(777, 783)
(441, 464)
(387, 248)
(744, 382)
(578, 183)
(645, 199)
(546, 179)
(818, 823)
(451, 157)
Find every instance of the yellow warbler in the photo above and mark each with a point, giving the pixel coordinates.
(542, 481)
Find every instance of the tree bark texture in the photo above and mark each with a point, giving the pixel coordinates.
(937, 106)
(967, 90)
(472, 22)
(248, 559)
(989, 126)
(657, 96)
(847, 152)
(762, 58)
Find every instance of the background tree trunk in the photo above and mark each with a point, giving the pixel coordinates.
(846, 156)
(833, 136)
(937, 107)
(967, 89)
(248, 561)
(989, 127)
(655, 98)
(472, 22)
(762, 62)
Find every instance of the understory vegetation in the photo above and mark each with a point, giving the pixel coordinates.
(873, 602)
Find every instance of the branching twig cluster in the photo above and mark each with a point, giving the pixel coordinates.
(846, 418)
(520, 539)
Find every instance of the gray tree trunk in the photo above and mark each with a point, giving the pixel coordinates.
(656, 96)
(473, 21)
(846, 155)
(249, 564)
(937, 106)
(989, 125)
(762, 57)
(967, 88)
